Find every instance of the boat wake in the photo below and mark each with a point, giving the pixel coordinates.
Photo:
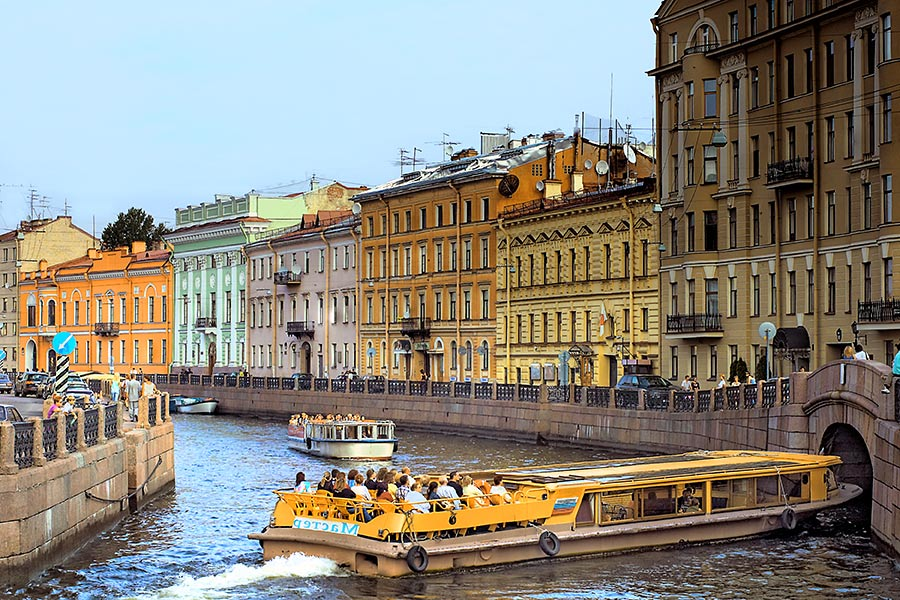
(223, 585)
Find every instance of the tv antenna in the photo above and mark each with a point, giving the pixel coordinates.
(446, 146)
(408, 158)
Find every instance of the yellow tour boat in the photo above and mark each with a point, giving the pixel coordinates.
(563, 510)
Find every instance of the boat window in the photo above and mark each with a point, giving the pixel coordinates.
(768, 491)
(732, 493)
(617, 506)
(658, 501)
(692, 498)
(585, 514)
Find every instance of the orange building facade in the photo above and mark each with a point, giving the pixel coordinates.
(117, 304)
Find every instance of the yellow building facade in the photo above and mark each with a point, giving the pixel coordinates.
(428, 256)
(117, 304)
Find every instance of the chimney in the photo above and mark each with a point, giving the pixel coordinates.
(138, 246)
(93, 253)
(467, 153)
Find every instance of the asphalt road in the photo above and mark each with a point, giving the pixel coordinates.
(28, 406)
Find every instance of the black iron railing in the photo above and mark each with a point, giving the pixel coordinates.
(694, 323)
(792, 169)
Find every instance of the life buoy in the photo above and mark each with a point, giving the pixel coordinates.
(417, 559)
(309, 443)
(452, 519)
(789, 519)
(549, 543)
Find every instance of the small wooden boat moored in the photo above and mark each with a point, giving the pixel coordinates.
(347, 436)
(564, 510)
(197, 406)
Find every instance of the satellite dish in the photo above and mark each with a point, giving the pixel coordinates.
(588, 164)
(602, 167)
(539, 186)
(356, 209)
(629, 154)
(508, 185)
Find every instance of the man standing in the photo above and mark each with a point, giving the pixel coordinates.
(133, 389)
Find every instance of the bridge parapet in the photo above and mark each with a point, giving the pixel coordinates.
(857, 383)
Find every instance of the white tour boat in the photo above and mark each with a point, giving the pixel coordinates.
(342, 436)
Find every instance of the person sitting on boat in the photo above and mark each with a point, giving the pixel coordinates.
(370, 479)
(403, 488)
(470, 490)
(688, 502)
(359, 487)
(453, 481)
(390, 479)
(448, 496)
(301, 486)
(418, 501)
(498, 491)
(326, 483)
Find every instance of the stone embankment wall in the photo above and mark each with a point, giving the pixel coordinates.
(57, 493)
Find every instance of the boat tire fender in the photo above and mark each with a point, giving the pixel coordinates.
(417, 559)
(549, 543)
(789, 519)
(309, 443)
(452, 519)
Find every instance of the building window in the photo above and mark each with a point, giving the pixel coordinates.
(709, 98)
(886, 37)
(807, 53)
(732, 228)
(752, 19)
(830, 212)
(770, 14)
(673, 47)
(712, 296)
(792, 142)
(673, 359)
(732, 296)
(710, 230)
(690, 100)
(710, 156)
(689, 217)
(770, 69)
(733, 26)
(773, 294)
(789, 74)
(689, 166)
(870, 50)
(850, 133)
(829, 64)
(713, 361)
(691, 298)
(754, 156)
(754, 87)
(788, 10)
(673, 298)
(792, 219)
(887, 192)
(755, 217)
(887, 132)
(792, 292)
(867, 281)
(772, 230)
(673, 227)
(867, 205)
(810, 292)
(626, 259)
(888, 286)
(832, 290)
(849, 51)
(829, 139)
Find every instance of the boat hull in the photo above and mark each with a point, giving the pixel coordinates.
(389, 559)
(356, 449)
(206, 407)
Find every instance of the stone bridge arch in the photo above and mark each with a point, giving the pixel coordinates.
(845, 406)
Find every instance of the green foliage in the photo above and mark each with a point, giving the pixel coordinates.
(761, 367)
(131, 226)
(739, 368)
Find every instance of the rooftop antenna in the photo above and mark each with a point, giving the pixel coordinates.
(446, 146)
(66, 207)
(406, 160)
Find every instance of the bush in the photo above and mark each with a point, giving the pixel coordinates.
(761, 367)
(739, 368)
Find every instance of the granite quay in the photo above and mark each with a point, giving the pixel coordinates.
(66, 478)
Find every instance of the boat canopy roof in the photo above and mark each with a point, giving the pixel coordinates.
(619, 473)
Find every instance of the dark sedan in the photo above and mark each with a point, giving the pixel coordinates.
(30, 383)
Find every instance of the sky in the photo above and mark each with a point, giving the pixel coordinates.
(109, 105)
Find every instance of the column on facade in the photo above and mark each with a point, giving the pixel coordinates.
(679, 141)
(859, 44)
(743, 125)
(876, 93)
(724, 166)
(666, 120)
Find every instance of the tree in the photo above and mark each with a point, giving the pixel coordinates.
(761, 366)
(132, 226)
(739, 368)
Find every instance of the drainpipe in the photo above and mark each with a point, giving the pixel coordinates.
(459, 368)
(630, 266)
(326, 321)
(387, 286)
(274, 305)
(508, 302)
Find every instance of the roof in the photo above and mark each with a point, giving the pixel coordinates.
(212, 224)
(492, 164)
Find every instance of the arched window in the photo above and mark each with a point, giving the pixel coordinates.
(468, 356)
(485, 355)
(370, 356)
(51, 313)
(453, 359)
(31, 308)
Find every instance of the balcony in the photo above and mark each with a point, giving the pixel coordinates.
(701, 48)
(109, 329)
(205, 323)
(417, 327)
(878, 311)
(794, 171)
(695, 325)
(301, 328)
(287, 278)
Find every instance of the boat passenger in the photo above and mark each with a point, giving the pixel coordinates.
(448, 496)
(301, 486)
(417, 499)
(688, 502)
(403, 488)
(326, 483)
(351, 476)
(359, 489)
(453, 481)
(431, 490)
(391, 480)
(498, 492)
(370, 479)
(471, 491)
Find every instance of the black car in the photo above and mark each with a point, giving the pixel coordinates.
(30, 383)
(10, 413)
(6, 384)
(645, 382)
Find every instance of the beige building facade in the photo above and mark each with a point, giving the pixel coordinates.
(775, 129)
(54, 240)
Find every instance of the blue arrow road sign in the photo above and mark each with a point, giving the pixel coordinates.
(64, 343)
(2, 354)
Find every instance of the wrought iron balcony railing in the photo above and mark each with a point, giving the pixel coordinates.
(299, 328)
(106, 328)
(415, 327)
(786, 171)
(205, 322)
(287, 278)
(878, 311)
(695, 323)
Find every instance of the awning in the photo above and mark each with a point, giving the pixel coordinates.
(791, 339)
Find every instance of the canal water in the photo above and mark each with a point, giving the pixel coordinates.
(192, 543)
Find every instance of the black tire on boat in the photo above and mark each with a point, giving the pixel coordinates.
(549, 543)
(309, 443)
(417, 559)
(789, 519)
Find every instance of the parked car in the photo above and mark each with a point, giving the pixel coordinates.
(645, 382)
(6, 384)
(77, 389)
(10, 413)
(30, 383)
